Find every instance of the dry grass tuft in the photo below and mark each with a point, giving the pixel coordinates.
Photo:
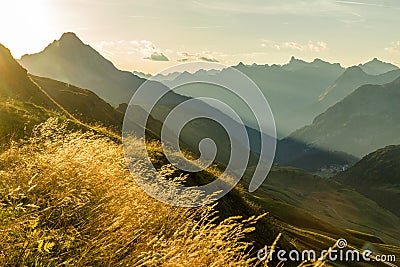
(67, 199)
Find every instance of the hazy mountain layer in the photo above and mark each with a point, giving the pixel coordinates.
(364, 121)
(289, 89)
(376, 67)
(71, 61)
(81, 65)
(348, 82)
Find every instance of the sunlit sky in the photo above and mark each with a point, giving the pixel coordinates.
(150, 35)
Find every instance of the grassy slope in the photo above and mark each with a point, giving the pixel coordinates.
(19, 115)
(377, 176)
(18, 118)
(325, 206)
(83, 104)
(67, 198)
(24, 115)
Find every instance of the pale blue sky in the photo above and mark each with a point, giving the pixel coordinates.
(142, 35)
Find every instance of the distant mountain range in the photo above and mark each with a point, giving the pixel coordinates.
(359, 204)
(348, 82)
(376, 67)
(297, 92)
(307, 147)
(364, 121)
(301, 65)
(289, 89)
(79, 64)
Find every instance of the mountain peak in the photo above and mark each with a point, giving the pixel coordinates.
(355, 70)
(295, 60)
(296, 64)
(375, 60)
(241, 65)
(69, 35)
(5, 53)
(80, 64)
(377, 66)
(8, 65)
(68, 39)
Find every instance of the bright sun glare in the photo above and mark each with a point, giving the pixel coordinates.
(24, 24)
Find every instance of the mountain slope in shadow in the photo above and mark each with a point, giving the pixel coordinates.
(15, 83)
(71, 61)
(364, 121)
(311, 202)
(377, 176)
(348, 82)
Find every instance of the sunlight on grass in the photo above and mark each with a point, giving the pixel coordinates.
(66, 198)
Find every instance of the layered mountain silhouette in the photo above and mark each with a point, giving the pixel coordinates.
(364, 121)
(292, 90)
(81, 65)
(71, 61)
(376, 67)
(301, 65)
(27, 100)
(377, 176)
(348, 82)
(17, 84)
(296, 199)
(296, 92)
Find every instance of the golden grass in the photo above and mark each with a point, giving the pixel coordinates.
(67, 199)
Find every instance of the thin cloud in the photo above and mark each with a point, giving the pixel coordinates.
(297, 7)
(394, 47)
(204, 56)
(314, 46)
(144, 48)
(208, 59)
(361, 3)
(157, 57)
(317, 46)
